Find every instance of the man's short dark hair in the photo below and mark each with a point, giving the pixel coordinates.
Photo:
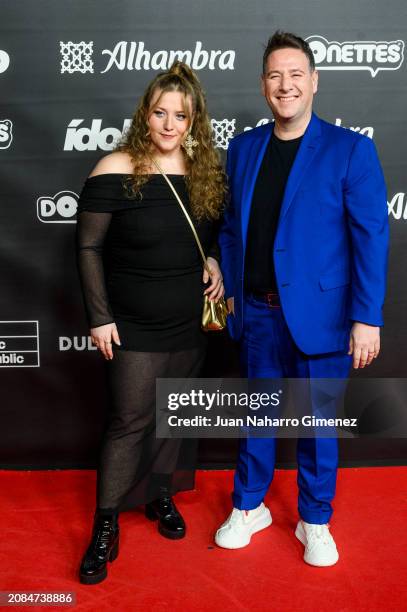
(284, 40)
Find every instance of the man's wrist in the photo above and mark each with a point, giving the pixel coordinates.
(367, 324)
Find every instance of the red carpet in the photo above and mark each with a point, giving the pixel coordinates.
(46, 522)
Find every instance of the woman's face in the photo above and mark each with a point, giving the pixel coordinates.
(168, 121)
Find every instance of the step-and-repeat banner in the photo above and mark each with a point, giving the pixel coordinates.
(71, 74)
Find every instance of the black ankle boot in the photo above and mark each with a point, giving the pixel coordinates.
(103, 547)
(170, 522)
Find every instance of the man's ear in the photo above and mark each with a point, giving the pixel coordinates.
(262, 85)
(315, 76)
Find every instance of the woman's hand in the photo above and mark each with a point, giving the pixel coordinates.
(215, 290)
(102, 338)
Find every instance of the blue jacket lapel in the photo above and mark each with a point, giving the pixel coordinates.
(305, 154)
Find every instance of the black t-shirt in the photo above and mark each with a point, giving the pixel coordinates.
(265, 211)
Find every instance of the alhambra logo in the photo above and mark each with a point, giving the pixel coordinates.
(125, 55)
(223, 131)
(369, 55)
(134, 56)
(76, 57)
(397, 206)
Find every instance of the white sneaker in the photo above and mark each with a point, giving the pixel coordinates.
(320, 547)
(237, 530)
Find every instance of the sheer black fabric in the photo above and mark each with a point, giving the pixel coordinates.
(140, 268)
(91, 234)
(136, 467)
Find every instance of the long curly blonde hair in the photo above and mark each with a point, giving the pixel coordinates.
(205, 179)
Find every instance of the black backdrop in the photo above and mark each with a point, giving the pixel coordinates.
(71, 73)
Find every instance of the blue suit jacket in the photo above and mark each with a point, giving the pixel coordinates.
(331, 245)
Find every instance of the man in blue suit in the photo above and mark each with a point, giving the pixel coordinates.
(304, 255)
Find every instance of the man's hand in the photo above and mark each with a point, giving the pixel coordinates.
(364, 344)
(230, 302)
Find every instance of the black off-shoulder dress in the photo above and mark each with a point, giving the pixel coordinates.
(140, 268)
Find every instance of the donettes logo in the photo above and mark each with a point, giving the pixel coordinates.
(6, 133)
(4, 60)
(370, 55)
(61, 208)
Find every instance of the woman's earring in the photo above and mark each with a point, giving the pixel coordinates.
(189, 144)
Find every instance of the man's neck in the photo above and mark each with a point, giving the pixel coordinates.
(288, 130)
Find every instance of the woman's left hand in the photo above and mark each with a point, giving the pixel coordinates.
(215, 290)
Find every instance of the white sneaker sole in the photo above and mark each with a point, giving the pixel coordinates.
(261, 522)
(300, 534)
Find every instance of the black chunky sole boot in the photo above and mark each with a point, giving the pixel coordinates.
(170, 522)
(104, 547)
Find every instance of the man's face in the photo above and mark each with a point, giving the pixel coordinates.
(289, 85)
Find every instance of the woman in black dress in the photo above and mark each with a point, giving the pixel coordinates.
(143, 285)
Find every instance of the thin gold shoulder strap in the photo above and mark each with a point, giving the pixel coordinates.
(185, 213)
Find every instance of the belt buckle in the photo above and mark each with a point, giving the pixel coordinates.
(272, 300)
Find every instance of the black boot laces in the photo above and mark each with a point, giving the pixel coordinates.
(103, 537)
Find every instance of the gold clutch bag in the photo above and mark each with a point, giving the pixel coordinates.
(214, 313)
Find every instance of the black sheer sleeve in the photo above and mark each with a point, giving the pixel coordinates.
(90, 237)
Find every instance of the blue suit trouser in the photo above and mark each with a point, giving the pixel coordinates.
(268, 351)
